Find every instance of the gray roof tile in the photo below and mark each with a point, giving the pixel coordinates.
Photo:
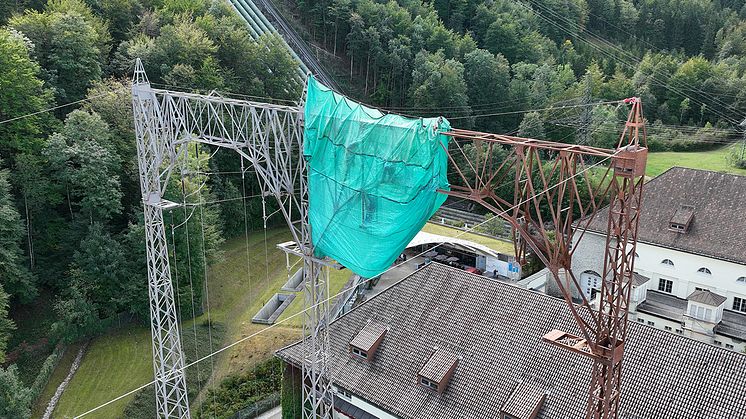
(719, 201)
(368, 335)
(496, 329)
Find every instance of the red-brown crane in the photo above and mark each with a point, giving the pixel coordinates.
(558, 192)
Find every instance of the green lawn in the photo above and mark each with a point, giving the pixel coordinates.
(121, 361)
(709, 160)
(56, 378)
(113, 365)
(494, 244)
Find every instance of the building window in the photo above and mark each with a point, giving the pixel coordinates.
(429, 384)
(668, 328)
(718, 343)
(358, 352)
(651, 323)
(704, 270)
(665, 285)
(640, 320)
(741, 280)
(679, 331)
(700, 289)
(699, 312)
(739, 304)
(729, 346)
(667, 262)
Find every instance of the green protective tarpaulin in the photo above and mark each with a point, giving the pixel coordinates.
(372, 179)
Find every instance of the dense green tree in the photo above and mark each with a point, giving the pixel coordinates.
(15, 398)
(6, 324)
(487, 78)
(532, 126)
(438, 83)
(16, 278)
(76, 314)
(70, 44)
(21, 93)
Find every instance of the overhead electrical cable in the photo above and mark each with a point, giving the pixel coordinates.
(409, 260)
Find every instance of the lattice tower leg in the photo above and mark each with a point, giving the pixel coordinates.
(168, 358)
(624, 210)
(317, 387)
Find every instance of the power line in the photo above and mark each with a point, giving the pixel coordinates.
(54, 108)
(465, 231)
(601, 40)
(551, 108)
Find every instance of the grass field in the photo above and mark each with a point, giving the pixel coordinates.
(121, 361)
(709, 160)
(494, 244)
(56, 378)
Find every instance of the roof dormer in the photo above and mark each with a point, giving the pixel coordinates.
(705, 305)
(438, 370)
(681, 219)
(367, 340)
(524, 402)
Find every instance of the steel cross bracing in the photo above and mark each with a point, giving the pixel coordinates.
(556, 197)
(270, 138)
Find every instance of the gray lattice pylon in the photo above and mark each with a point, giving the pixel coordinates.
(168, 358)
(270, 138)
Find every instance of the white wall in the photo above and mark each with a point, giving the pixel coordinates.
(362, 404)
(684, 272)
(589, 255)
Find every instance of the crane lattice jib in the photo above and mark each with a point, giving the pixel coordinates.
(556, 199)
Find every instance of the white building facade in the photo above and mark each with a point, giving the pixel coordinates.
(690, 259)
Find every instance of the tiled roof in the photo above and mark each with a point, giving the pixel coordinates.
(496, 329)
(638, 279)
(706, 297)
(440, 362)
(525, 399)
(683, 215)
(717, 229)
(368, 336)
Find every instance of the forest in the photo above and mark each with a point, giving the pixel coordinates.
(71, 233)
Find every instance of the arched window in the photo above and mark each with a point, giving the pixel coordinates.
(741, 280)
(667, 262)
(704, 270)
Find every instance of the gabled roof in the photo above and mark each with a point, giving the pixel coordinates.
(706, 297)
(368, 336)
(496, 329)
(437, 367)
(717, 229)
(525, 400)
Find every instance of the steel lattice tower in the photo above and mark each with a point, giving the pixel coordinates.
(545, 175)
(269, 137)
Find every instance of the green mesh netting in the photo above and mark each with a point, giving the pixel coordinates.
(372, 179)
